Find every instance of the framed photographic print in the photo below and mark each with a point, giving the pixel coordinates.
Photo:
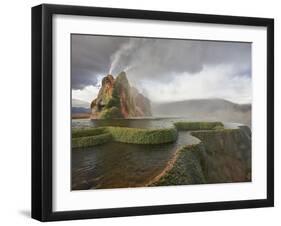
(146, 112)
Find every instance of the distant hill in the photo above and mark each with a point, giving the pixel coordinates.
(80, 103)
(205, 109)
(77, 110)
(80, 107)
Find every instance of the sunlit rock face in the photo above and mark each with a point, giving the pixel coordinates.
(117, 99)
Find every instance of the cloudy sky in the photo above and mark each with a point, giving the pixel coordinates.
(163, 69)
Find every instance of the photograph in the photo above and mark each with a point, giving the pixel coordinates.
(142, 112)
(150, 111)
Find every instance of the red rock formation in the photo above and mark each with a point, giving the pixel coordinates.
(117, 99)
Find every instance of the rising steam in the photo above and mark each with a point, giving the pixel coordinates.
(162, 59)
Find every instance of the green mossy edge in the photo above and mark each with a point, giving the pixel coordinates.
(187, 168)
(89, 141)
(86, 132)
(143, 136)
(91, 137)
(191, 164)
(184, 125)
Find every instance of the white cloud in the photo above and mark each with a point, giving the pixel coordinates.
(212, 82)
(88, 93)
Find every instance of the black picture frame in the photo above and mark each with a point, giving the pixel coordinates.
(42, 111)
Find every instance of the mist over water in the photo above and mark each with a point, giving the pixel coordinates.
(206, 110)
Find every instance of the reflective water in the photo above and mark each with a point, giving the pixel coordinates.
(117, 165)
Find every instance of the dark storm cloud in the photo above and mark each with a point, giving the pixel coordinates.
(91, 57)
(152, 58)
(159, 58)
